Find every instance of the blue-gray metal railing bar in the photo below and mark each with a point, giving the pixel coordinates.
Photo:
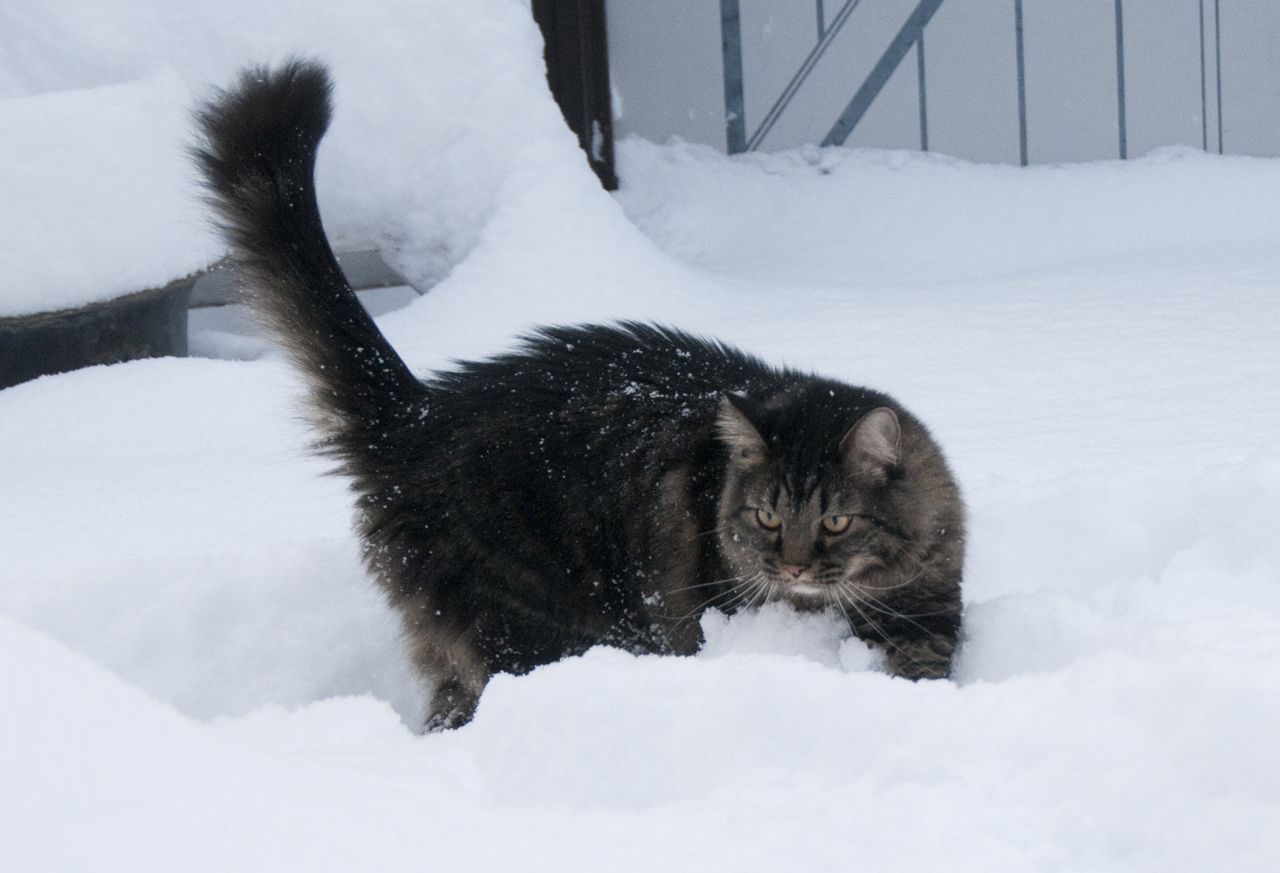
(880, 73)
(822, 25)
(735, 122)
(924, 112)
(1124, 139)
(1022, 82)
(1217, 59)
(775, 111)
(1204, 97)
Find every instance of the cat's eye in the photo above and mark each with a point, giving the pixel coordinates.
(836, 523)
(768, 520)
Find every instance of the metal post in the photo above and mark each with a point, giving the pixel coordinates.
(924, 115)
(1022, 83)
(735, 122)
(1217, 58)
(822, 21)
(1204, 98)
(1124, 144)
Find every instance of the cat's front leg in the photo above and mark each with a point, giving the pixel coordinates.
(920, 657)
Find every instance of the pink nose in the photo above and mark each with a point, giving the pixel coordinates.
(793, 570)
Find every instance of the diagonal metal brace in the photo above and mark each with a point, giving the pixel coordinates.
(880, 73)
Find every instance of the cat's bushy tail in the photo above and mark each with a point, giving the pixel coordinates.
(258, 159)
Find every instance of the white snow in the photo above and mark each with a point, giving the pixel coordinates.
(197, 674)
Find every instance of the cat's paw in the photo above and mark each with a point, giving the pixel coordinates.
(446, 721)
(452, 706)
(917, 658)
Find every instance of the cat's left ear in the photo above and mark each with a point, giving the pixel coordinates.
(874, 444)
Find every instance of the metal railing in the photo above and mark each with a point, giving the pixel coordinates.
(909, 36)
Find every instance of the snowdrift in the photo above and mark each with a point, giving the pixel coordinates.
(197, 673)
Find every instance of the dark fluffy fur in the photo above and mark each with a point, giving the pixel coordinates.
(604, 484)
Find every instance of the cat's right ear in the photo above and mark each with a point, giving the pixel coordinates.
(735, 429)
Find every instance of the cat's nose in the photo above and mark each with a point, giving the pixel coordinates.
(793, 570)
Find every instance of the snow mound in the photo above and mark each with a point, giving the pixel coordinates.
(198, 674)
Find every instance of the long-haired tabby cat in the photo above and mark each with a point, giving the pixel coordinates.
(603, 484)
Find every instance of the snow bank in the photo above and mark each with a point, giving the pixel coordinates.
(197, 674)
(97, 198)
(894, 219)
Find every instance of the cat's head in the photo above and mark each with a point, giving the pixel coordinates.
(831, 497)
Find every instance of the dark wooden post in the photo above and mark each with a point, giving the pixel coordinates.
(577, 56)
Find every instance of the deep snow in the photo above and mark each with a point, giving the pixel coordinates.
(197, 674)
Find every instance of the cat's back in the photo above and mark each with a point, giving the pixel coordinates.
(595, 387)
(598, 362)
(582, 422)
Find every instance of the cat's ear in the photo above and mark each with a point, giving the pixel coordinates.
(735, 429)
(874, 444)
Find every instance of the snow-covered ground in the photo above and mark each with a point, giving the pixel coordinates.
(196, 674)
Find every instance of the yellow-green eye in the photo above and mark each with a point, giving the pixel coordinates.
(768, 520)
(836, 523)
